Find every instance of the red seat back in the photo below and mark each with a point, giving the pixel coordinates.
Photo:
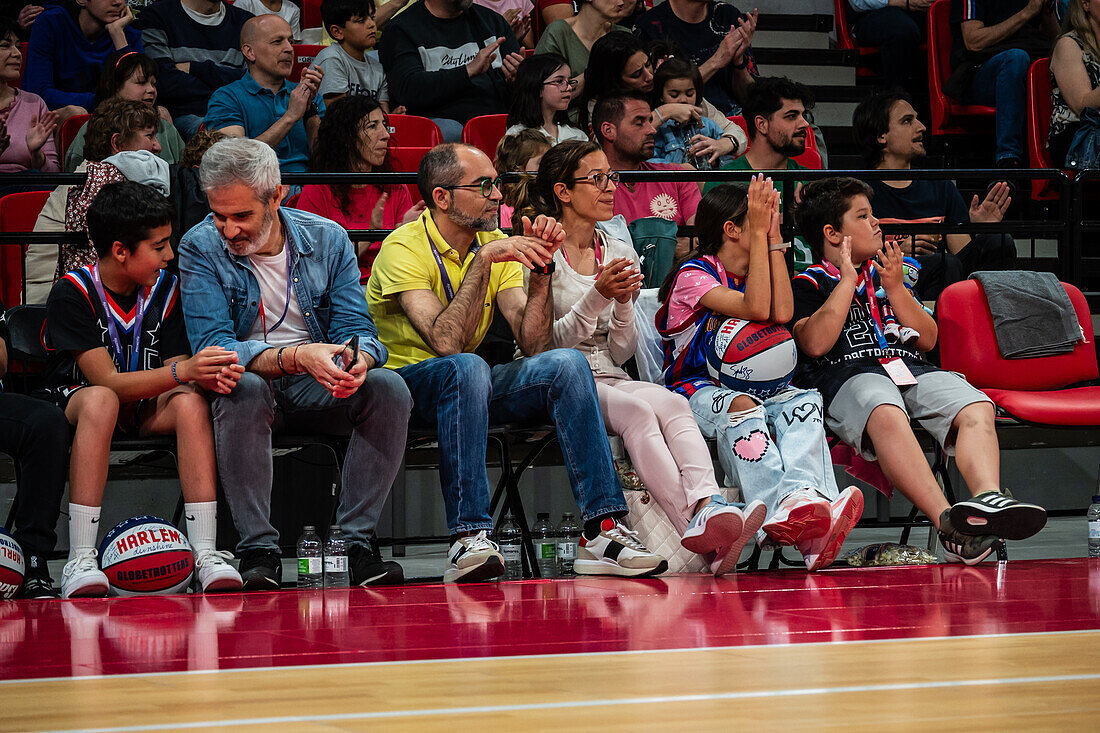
(844, 37)
(485, 132)
(413, 131)
(968, 345)
(311, 14)
(18, 213)
(69, 131)
(408, 160)
(304, 53)
(939, 60)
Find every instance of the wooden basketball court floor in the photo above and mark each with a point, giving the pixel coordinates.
(1009, 646)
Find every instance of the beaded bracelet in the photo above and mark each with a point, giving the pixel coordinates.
(174, 374)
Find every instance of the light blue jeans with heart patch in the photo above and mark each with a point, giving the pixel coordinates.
(772, 449)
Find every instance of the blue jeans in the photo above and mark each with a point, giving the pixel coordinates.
(773, 449)
(187, 125)
(376, 417)
(459, 397)
(1001, 82)
(451, 129)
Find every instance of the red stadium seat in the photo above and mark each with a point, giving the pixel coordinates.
(304, 53)
(405, 160)
(948, 117)
(810, 159)
(411, 131)
(18, 213)
(1029, 390)
(1039, 108)
(485, 132)
(69, 131)
(846, 41)
(311, 14)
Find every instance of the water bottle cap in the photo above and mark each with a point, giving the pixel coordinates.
(567, 514)
(309, 528)
(1096, 499)
(542, 515)
(334, 527)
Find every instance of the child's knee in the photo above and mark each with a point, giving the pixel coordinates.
(742, 403)
(977, 415)
(95, 403)
(886, 417)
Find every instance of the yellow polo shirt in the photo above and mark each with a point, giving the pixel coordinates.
(405, 262)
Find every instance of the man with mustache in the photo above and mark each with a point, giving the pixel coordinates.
(280, 287)
(265, 106)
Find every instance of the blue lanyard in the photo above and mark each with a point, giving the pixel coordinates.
(286, 303)
(446, 280)
(112, 328)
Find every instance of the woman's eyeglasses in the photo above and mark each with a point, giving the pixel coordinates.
(602, 181)
(486, 185)
(562, 84)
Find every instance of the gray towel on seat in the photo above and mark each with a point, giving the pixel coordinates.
(1032, 315)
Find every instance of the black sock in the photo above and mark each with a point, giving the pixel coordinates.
(595, 525)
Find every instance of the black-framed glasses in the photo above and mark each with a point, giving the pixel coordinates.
(599, 180)
(563, 84)
(486, 185)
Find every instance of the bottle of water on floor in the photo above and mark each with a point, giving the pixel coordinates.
(310, 572)
(336, 559)
(1094, 527)
(568, 534)
(510, 541)
(546, 549)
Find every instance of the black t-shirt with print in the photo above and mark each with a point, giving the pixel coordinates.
(76, 322)
(857, 349)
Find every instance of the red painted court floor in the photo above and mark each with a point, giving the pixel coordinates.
(41, 639)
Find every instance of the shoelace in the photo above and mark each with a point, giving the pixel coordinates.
(627, 537)
(480, 541)
(212, 557)
(83, 561)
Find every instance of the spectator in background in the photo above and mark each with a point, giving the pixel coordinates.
(572, 38)
(22, 13)
(67, 47)
(285, 9)
(348, 68)
(449, 60)
(133, 76)
(518, 153)
(197, 45)
(187, 192)
(354, 138)
(518, 15)
(896, 28)
(891, 137)
(698, 143)
(1075, 76)
(715, 36)
(26, 124)
(264, 105)
(540, 97)
(547, 11)
(993, 44)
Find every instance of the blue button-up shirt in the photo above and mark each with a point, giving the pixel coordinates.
(255, 108)
(221, 295)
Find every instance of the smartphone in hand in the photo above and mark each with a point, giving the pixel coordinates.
(346, 358)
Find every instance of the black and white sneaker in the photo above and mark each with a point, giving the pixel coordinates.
(367, 567)
(998, 514)
(616, 551)
(260, 570)
(968, 549)
(37, 582)
(474, 558)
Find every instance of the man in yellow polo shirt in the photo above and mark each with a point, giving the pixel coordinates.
(432, 293)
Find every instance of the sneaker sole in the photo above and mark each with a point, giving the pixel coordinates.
(1016, 522)
(259, 583)
(807, 522)
(754, 520)
(953, 558)
(223, 585)
(721, 530)
(90, 591)
(390, 577)
(491, 568)
(849, 517)
(602, 567)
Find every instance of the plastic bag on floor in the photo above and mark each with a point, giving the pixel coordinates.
(882, 554)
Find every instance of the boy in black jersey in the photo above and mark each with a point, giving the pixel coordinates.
(120, 363)
(873, 382)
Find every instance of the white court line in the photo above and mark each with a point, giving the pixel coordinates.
(442, 660)
(664, 699)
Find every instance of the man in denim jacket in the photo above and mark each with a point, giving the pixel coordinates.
(280, 287)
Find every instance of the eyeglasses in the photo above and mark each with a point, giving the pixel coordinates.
(601, 181)
(562, 84)
(486, 185)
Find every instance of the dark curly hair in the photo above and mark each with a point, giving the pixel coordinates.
(123, 116)
(604, 73)
(337, 147)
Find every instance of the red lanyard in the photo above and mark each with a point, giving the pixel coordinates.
(872, 301)
(595, 245)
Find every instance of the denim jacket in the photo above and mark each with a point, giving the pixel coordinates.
(221, 295)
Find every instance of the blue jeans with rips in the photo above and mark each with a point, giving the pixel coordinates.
(459, 397)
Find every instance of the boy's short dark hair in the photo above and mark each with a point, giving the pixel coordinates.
(871, 120)
(611, 108)
(765, 96)
(826, 202)
(126, 212)
(339, 12)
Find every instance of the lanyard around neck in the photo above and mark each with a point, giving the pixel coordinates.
(872, 300)
(286, 303)
(448, 289)
(112, 327)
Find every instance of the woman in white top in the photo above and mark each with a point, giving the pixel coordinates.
(540, 97)
(595, 282)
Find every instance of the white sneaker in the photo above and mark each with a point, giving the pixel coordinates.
(714, 528)
(473, 558)
(802, 515)
(754, 514)
(847, 510)
(616, 551)
(214, 574)
(82, 577)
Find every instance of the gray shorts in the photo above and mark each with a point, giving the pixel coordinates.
(933, 402)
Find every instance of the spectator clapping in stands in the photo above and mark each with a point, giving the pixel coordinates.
(348, 68)
(131, 75)
(353, 138)
(1075, 70)
(285, 9)
(896, 27)
(264, 105)
(519, 153)
(891, 137)
(148, 386)
(441, 63)
(698, 144)
(26, 123)
(68, 45)
(540, 97)
(518, 15)
(197, 45)
(572, 38)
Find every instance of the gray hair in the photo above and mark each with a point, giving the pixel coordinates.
(438, 167)
(241, 160)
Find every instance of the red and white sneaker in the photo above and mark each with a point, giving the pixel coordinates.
(726, 560)
(714, 527)
(803, 515)
(846, 512)
(616, 551)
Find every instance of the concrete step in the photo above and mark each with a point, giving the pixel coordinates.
(809, 74)
(790, 39)
(812, 22)
(829, 57)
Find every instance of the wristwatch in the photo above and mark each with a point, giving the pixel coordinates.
(546, 269)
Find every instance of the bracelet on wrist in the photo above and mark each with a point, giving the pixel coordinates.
(547, 269)
(781, 247)
(294, 357)
(279, 360)
(174, 375)
(660, 116)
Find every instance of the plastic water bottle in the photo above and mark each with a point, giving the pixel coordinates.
(336, 559)
(1094, 527)
(546, 549)
(310, 572)
(568, 534)
(510, 541)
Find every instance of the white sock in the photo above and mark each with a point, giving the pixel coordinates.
(83, 528)
(202, 524)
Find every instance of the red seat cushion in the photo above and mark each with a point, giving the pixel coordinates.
(1077, 407)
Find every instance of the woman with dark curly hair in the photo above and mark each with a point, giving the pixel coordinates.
(354, 137)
